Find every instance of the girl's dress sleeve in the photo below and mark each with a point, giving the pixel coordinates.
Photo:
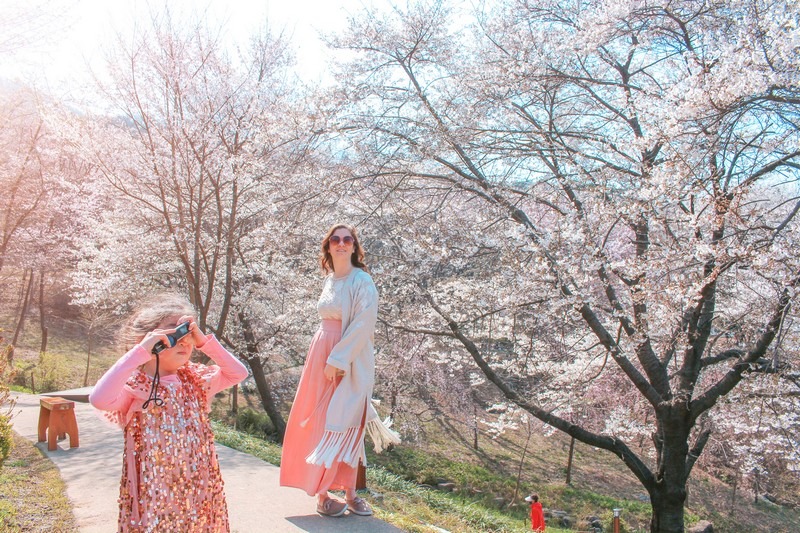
(110, 393)
(361, 328)
(228, 370)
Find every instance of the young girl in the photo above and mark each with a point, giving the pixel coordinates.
(537, 514)
(170, 474)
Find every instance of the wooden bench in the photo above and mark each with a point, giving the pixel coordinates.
(56, 421)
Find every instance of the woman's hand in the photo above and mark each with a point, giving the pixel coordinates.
(331, 372)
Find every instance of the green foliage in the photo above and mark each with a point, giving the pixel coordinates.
(572, 497)
(430, 469)
(67, 341)
(52, 372)
(8, 514)
(488, 489)
(6, 438)
(255, 423)
(6, 404)
(257, 447)
(477, 517)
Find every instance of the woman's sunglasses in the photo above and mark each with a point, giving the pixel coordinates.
(347, 239)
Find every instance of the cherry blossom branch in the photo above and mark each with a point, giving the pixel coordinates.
(612, 444)
(709, 398)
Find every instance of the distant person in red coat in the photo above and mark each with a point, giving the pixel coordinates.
(537, 516)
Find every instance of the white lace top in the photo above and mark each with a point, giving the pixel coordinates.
(330, 301)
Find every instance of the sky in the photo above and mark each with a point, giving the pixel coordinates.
(55, 43)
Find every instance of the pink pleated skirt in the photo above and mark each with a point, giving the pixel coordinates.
(306, 424)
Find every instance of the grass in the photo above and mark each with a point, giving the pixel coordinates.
(264, 450)
(32, 495)
(414, 508)
(395, 499)
(493, 487)
(65, 362)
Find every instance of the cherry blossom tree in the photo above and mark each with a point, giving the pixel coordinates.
(203, 177)
(25, 25)
(43, 190)
(614, 184)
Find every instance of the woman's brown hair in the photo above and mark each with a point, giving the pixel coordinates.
(325, 258)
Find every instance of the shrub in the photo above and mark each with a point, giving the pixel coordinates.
(6, 403)
(255, 423)
(6, 438)
(52, 371)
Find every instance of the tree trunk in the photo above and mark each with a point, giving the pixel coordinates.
(668, 493)
(21, 295)
(475, 427)
(88, 357)
(21, 323)
(254, 360)
(667, 504)
(756, 488)
(42, 326)
(569, 460)
(522, 461)
(235, 400)
(266, 396)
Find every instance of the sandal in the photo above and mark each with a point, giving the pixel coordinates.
(358, 506)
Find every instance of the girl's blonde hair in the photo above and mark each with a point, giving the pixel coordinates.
(150, 313)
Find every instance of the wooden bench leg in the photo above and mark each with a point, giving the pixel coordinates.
(72, 428)
(44, 422)
(52, 431)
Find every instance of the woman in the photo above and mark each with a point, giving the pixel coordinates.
(324, 439)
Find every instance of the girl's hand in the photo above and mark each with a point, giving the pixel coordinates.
(331, 372)
(154, 337)
(198, 336)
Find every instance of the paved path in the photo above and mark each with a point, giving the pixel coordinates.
(256, 503)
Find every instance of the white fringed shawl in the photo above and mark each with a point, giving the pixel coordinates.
(350, 411)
